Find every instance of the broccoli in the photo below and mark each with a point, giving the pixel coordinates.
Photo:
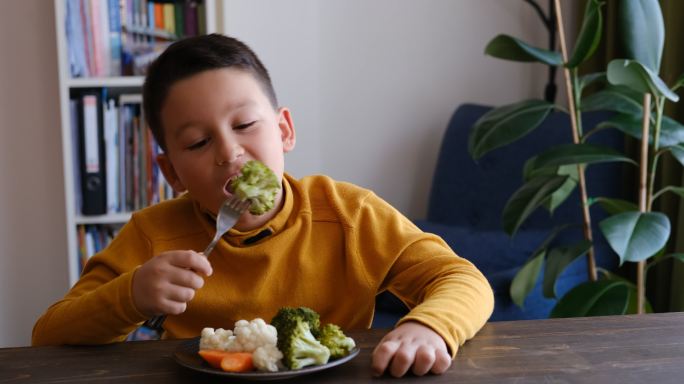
(295, 340)
(339, 344)
(257, 183)
(307, 314)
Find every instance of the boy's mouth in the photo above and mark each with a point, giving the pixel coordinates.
(227, 189)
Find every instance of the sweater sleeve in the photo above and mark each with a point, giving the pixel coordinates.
(443, 291)
(99, 308)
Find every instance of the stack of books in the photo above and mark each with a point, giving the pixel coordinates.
(115, 167)
(93, 238)
(121, 37)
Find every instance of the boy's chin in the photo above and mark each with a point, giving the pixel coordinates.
(248, 222)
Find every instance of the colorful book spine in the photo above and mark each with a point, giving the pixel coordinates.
(114, 13)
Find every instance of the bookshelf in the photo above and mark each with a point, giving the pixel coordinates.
(71, 87)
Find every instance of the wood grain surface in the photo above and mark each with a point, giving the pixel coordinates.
(612, 349)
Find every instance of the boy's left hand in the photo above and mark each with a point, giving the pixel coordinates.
(411, 345)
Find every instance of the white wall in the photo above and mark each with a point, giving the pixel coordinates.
(33, 270)
(372, 85)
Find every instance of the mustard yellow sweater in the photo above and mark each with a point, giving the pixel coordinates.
(333, 247)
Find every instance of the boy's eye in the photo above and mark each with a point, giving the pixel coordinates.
(198, 144)
(244, 126)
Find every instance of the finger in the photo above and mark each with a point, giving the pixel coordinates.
(425, 359)
(402, 360)
(186, 278)
(382, 355)
(192, 260)
(442, 362)
(180, 294)
(171, 307)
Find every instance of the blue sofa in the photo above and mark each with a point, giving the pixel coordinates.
(467, 198)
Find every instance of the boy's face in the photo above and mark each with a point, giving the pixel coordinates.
(214, 122)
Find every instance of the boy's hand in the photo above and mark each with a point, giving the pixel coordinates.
(411, 345)
(167, 282)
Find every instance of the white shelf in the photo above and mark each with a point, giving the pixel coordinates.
(150, 32)
(112, 218)
(97, 82)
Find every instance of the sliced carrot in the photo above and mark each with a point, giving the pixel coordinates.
(213, 357)
(228, 361)
(237, 362)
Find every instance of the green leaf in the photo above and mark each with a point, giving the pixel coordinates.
(679, 83)
(556, 262)
(592, 298)
(509, 48)
(558, 197)
(671, 132)
(614, 98)
(670, 188)
(614, 301)
(677, 190)
(528, 198)
(615, 206)
(591, 78)
(678, 152)
(676, 256)
(636, 236)
(632, 301)
(562, 194)
(506, 124)
(639, 78)
(526, 278)
(566, 154)
(643, 31)
(589, 36)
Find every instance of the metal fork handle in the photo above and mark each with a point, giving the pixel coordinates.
(157, 322)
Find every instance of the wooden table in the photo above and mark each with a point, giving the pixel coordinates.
(615, 349)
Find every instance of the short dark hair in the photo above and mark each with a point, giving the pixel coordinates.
(190, 56)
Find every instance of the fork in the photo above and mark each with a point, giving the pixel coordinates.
(229, 213)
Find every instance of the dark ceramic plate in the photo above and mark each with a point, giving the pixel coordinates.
(187, 356)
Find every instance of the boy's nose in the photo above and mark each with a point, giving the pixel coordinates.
(228, 153)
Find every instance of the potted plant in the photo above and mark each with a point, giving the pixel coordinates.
(632, 90)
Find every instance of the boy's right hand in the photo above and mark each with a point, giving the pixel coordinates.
(167, 282)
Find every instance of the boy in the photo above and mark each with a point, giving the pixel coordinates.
(326, 245)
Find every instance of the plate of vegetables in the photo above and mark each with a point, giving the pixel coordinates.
(294, 344)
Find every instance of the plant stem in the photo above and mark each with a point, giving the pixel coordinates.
(573, 99)
(660, 104)
(643, 194)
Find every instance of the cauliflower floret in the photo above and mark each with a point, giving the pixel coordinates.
(216, 339)
(248, 336)
(254, 334)
(267, 358)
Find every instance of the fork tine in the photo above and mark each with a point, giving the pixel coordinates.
(244, 205)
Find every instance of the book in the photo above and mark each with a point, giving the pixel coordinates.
(190, 27)
(92, 156)
(95, 27)
(111, 138)
(78, 64)
(88, 40)
(114, 37)
(75, 153)
(169, 18)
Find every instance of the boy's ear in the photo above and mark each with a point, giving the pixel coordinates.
(170, 173)
(287, 129)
